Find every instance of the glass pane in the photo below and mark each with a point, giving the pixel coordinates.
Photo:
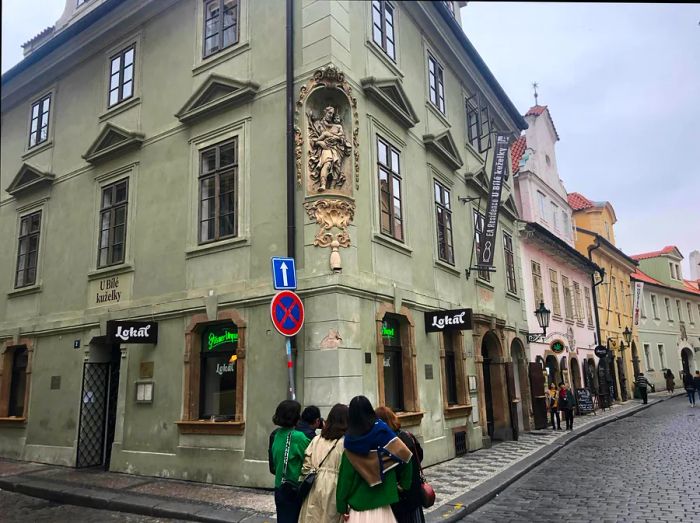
(382, 152)
(102, 258)
(19, 280)
(119, 234)
(211, 28)
(114, 81)
(127, 90)
(389, 33)
(389, 15)
(113, 97)
(397, 188)
(227, 155)
(117, 253)
(114, 67)
(43, 134)
(208, 160)
(376, 17)
(211, 44)
(31, 275)
(218, 385)
(35, 125)
(35, 110)
(207, 188)
(121, 190)
(128, 73)
(431, 66)
(119, 215)
(229, 36)
(395, 161)
(22, 261)
(393, 377)
(129, 57)
(24, 226)
(437, 193)
(206, 230)
(33, 245)
(226, 183)
(229, 13)
(390, 49)
(377, 34)
(35, 222)
(226, 225)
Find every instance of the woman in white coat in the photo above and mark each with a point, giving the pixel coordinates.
(323, 455)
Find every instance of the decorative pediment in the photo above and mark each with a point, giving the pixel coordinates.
(214, 94)
(29, 177)
(510, 208)
(111, 140)
(390, 94)
(444, 146)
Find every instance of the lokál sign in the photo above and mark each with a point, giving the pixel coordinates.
(487, 240)
(451, 320)
(119, 331)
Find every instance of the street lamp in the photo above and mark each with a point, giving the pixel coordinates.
(627, 335)
(542, 314)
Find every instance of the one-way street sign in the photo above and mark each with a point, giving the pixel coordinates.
(284, 274)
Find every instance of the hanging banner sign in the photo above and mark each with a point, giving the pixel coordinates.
(638, 287)
(452, 320)
(132, 331)
(487, 239)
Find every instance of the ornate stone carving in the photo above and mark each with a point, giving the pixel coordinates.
(328, 99)
(332, 215)
(328, 149)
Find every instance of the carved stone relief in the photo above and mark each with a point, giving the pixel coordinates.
(333, 218)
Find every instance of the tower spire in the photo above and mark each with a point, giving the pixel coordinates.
(535, 86)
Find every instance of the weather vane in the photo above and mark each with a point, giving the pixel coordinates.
(535, 86)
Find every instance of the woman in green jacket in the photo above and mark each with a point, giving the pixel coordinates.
(369, 477)
(287, 456)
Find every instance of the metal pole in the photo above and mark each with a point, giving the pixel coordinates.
(290, 367)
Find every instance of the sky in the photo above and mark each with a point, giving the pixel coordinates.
(622, 82)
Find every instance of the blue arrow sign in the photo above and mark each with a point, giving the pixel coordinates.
(284, 274)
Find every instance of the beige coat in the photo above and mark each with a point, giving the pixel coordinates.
(319, 506)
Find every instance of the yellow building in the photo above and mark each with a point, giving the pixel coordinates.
(595, 238)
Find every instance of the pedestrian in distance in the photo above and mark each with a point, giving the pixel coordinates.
(369, 478)
(642, 384)
(696, 382)
(311, 421)
(689, 386)
(553, 406)
(409, 508)
(287, 456)
(567, 402)
(670, 381)
(323, 457)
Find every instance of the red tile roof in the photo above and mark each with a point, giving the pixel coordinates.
(688, 285)
(578, 201)
(692, 285)
(516, 152)
(536, 110)
(640, 276)
(653, 254)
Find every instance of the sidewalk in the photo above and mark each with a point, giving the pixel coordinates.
(462, 484)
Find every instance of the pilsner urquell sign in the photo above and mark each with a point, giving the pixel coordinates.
(487, 241)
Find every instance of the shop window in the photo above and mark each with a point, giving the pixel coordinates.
(14, 382)
(396, 364)
(454, 379)
(214, 367)
(221, 27)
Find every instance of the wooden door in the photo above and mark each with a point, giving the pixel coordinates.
(539, 404)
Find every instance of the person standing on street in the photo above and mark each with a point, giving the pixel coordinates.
(553, 406)
(696, 382)
(689, 386)
(670, 381)
(323, 457)
(287, 456)
(642, 384)
(310, 421)
(567, 402)
(409, 508)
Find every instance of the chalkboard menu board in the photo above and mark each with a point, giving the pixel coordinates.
(584, 400)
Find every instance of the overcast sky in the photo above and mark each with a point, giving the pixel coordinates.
(622, 82)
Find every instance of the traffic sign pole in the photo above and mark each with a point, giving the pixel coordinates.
(290, 367)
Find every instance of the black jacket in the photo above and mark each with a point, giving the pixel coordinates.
(696, 382)
(307, 429)
(410, 500)
(688, 381)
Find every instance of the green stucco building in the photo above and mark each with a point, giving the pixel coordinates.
(155, 157)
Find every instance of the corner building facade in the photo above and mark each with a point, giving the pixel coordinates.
(143, 171)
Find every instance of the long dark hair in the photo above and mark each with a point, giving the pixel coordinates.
(361, 416)
(336, 423)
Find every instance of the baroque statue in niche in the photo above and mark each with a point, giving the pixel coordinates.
(328, 150)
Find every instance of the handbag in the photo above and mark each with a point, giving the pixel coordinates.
(427, 492)
(308, 482)
(286, 485)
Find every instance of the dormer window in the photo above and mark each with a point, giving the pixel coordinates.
(548, 160)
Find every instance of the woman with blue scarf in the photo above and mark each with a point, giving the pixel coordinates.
(369, 477)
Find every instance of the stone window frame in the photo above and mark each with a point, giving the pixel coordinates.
(536, 272)
(216, 174)
(202, 62)
(509, 263)
(394, 173)
(190, 422)
(440, 100)
(121, 83)
(43, 119)
(111, 210)
(654, 306)
(463, 404)
(27, 236)
(220, 27)
(443, 206)
(7, 351)
(384, 5)
(107, 111)
(554, 291)
(412, 415)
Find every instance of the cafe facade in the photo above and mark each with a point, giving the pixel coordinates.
(135, 320)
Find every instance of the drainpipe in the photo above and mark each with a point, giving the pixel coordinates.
(291, 211)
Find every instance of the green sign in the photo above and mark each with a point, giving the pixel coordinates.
(557, 347)
(387, 331)
(215, 338)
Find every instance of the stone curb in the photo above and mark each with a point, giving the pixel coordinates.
(119, 501)
(461, 506)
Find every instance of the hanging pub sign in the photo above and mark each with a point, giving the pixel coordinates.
(487, 240)
(452, 320)
(601, 351)
(127, 331)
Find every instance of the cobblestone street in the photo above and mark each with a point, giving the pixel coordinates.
(641, 468)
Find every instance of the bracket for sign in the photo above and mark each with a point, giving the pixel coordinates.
(479, 268)
(464, 199)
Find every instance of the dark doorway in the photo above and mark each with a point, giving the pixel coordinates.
(553, 374)
(98, 410)
(613, 377)
(575, 374)
(623, 378)
(635, 360)
(686, 355)
(488, 395)
(537, 389)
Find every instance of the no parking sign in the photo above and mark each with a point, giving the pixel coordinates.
(287, 313)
